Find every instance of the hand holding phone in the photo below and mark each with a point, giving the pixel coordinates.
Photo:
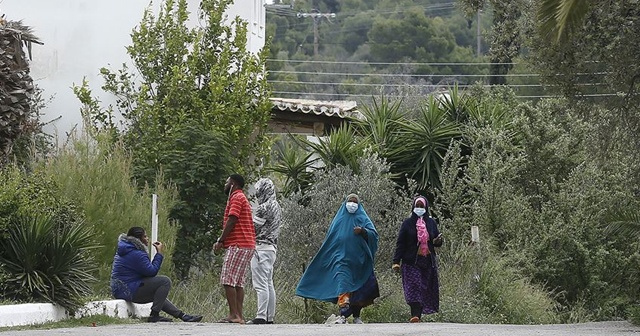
(158, 245)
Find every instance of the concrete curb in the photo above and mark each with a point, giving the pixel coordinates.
(38, 313)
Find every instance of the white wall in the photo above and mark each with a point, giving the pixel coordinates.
(81, 36)
(253, 11)
(39, 313)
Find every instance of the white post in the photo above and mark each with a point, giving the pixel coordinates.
(475, 234)
(154, 223)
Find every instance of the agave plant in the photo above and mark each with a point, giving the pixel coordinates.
(455, 103)
(45, 261)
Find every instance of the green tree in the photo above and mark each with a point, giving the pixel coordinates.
(198, 82)
(597, 61)
(410, 34)
(197, 164)
(505, 36)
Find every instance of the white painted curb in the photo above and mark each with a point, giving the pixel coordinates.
(38, 313)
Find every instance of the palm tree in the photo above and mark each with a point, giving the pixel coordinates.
(558, 18)
(625, 221)
(16, 85)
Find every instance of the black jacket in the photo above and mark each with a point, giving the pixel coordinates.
(407, 242)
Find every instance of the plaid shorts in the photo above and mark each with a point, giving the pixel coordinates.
(235, 265)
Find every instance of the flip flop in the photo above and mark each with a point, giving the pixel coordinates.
(224, 320)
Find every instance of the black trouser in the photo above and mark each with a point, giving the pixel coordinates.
(156, 289)
(416, 309)
(346, 312)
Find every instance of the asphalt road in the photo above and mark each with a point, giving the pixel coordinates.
(390, 329)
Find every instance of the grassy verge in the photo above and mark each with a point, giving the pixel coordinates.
(90, 321)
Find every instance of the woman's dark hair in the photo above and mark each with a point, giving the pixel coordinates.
(239, 180)
(136, 231)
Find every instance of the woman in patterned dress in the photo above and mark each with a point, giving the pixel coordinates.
(415, 258)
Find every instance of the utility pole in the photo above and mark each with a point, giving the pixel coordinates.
(316, 16)
(478, 35)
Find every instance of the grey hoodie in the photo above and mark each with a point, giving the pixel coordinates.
(268, 214)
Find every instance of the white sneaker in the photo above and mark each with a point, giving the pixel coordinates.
(357, 320)
(340, 320)
(331, 319)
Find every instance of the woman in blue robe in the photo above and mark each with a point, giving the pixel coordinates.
(342, 270)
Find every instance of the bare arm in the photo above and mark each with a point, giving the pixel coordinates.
(231, 223)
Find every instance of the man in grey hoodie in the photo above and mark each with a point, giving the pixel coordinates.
(266, 218)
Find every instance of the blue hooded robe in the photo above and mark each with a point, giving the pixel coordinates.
(345, 260)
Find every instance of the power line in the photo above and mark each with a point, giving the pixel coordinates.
(396, 63)
(593, 95)
(340, 94)
(410, 75)
(417, 85)
(422, 96)
(392, 63)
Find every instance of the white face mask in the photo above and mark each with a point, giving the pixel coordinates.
(419, 211)
(352, 207)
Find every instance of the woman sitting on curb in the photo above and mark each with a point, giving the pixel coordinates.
(134, 277)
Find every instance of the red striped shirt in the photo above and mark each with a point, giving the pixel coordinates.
(243, 233)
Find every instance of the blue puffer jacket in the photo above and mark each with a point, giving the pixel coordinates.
(130, 265)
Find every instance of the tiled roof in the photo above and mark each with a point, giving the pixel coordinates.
(334, 108)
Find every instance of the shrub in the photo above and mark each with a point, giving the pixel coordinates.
(45, 260)
(307, 217)
(305, 225)
(634, 314)
(512, 298)
(22, 193)
(96, 176)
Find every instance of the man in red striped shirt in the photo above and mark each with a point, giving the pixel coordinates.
(239, 239)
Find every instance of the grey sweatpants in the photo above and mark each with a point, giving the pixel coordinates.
(262, 279)
(156, 289)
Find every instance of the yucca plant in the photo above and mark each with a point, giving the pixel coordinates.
(455, 103)
(424, 144)
(47, 261)
(342, 147)
(295, 165)
(379, 125)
